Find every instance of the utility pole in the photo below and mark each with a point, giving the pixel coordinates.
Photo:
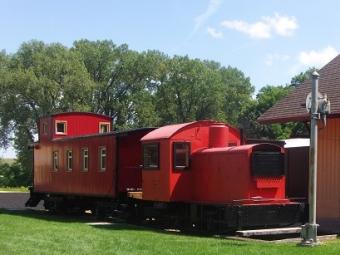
(309, 230)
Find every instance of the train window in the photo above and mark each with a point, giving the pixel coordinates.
(60, 127)
(104, 127)
(102, 158)
(181, 155)
(85, 159)
(55, 162)
(69, 160)
(151, 156)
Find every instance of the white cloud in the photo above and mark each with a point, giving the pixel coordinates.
(317, 58)
(265, 28)
(255, 30)
(312, 58)
(214, 33)
(201, 19)
(271, 58)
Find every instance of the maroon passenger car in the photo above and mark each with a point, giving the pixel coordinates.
(78, 160)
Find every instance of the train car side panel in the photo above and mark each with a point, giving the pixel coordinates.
(129, 169)
(53, 173)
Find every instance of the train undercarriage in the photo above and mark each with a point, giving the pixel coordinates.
(190, 217)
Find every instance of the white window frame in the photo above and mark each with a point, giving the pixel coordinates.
(84, 158)
(55, 160)
(107, 124)
(69, 160)
(101, 156)
(177, 150)
(56, 127)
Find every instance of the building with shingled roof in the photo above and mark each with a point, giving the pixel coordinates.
(292, 108)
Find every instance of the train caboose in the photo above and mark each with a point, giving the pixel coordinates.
(195, 175)
(80, 164)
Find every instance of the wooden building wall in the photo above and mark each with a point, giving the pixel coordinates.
(297, 172)
(328, 188)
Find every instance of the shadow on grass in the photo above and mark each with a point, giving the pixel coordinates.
(45, 215)
(115, 226)
(123, 227)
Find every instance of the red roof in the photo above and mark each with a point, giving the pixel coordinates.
(170, 130)
(291, 107)
(81, 113)
(164, 132)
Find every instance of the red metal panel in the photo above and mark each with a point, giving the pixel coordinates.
(79, 123)
(92, 182)
(156, 181)
(43, 137)
(130, 160)
(223, 175)
(164, 132)
(168, 131)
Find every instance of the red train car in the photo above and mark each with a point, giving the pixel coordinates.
(191, 175)
(167, 174)
(78, 160)
(200, 171)
(76, 165)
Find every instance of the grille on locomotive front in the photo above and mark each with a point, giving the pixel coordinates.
(267, 164)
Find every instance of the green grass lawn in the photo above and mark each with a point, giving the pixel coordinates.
(14, 189)
(29, 232)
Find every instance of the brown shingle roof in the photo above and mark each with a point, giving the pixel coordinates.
(290, 108)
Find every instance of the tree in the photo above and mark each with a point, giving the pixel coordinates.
(188, 90)
(265, 99)
(193, 89)
(13, 175)
(301, 77)
(237, 91)
(124, 81)
(136, 89)
(5, 125)
(38, 80)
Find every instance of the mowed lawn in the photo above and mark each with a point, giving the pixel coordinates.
(14, 189)
(29, 232)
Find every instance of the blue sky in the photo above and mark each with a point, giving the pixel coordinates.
(270, 41)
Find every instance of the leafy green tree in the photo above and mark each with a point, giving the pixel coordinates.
(189, 90)
(124, 81)
(38, 80)
(237, 91)
(13, 175)
(265, 99)
(135, 88)
(301, 77)
(192, 89)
